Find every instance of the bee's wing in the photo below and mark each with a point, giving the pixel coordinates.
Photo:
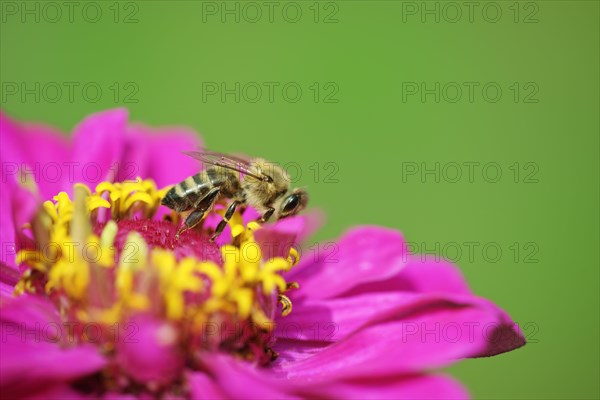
(239, 158)
(227, 161)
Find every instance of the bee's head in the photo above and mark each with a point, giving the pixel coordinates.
(291, 203)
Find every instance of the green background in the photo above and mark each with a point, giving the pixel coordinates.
(368, 51)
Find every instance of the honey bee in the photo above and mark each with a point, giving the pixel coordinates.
(256, 183)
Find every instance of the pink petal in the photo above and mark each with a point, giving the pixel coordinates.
(275, 239)
(35, 148)
(202, 387)
(6, 290)
(8, 231)
(120, 396)
(240, 380)
(28, 311)
(146, 341)
(38, 151)
(363, 254)
(291, 351)
(17, 207)
(98, 143)
(303, 225)
(32, 352)
(425, 274)
(9, 276)
(229, 378)
(424, 387)
(504, 335)
(422, 274)
(331, 320)
(432, 337)
(157, 154)
(59, 391)
(28, 365)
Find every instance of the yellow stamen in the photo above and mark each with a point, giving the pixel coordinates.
(127, 197)
(133, 258)
(286, 303)
(294, 257)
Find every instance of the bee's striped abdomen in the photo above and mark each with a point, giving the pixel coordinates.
(185, 194)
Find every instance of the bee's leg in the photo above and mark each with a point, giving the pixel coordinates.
(265, 217)
(201, 206)
(191, 221)
(225, 220)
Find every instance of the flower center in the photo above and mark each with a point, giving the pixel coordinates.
(161, 234)
(104, 258)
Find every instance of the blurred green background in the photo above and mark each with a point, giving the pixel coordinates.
(367, 97)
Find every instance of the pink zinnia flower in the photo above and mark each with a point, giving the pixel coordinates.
(98, 298)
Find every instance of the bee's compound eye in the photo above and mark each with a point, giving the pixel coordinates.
(290, 204)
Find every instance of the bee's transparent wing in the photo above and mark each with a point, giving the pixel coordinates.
(240, 158)
(227, 161)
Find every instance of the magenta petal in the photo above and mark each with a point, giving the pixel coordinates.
(27, 366)
(426, 274)
(310, 221)
(239, 380)
(120, 396)
(363, 254)
(433, 337)
(146, 341)
(17, 207)
(61, 391)
(9, 276)
(98, 143)
(276, 239)
(45, 160)
(502, 336)
(6, 290)
(157, 154)
(32, 352)
(8, 232)
(303, 225)
(202, 387)
(27, 312)
(334, 319)
(418, 387)
(422, 274)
